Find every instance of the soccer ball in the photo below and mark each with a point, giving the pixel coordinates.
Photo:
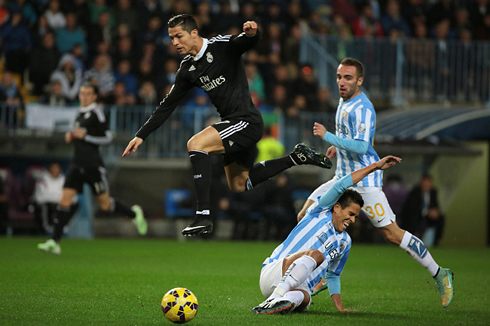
(179, 305)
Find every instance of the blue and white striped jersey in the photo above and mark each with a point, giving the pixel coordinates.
(356, 119)
(316, 231)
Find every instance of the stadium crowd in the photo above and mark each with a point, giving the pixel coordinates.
(50, 47)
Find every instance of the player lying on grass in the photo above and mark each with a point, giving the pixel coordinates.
(318, 245)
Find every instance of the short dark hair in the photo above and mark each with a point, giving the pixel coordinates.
(350, 196)
(354, 63)
(186, 21)
(94, 87)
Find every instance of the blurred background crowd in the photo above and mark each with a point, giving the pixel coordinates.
(49, 47)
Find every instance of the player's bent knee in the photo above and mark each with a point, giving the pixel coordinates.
(316, 255)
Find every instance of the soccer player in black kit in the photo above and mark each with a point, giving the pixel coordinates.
(216, 66)
(90, 131)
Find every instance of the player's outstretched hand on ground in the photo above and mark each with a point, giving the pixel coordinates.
(388, 161)
(319, 130)
(132, 146)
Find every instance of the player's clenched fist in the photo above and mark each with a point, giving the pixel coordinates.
(319, 130)
(250, 28)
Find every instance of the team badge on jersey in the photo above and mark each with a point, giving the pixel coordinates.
(361, 129)
(87, 115)
(209, 57)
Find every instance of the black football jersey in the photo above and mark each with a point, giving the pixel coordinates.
(217, 69)
(93, 120)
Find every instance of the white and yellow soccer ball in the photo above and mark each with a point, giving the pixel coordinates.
(179, 305)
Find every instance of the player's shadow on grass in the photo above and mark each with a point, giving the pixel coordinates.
(357, 315)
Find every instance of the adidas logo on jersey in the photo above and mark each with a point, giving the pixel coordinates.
(192, 68)
(230, 142)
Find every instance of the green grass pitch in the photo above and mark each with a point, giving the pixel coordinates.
(122, 282)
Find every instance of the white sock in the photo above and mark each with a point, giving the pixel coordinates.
(416, 248)
(296, 297)
(296, 274)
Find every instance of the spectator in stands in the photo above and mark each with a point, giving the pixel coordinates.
(146, 72)
(483, 30)
(101, 31)
(54, 96)
(255, 81)
(462, 21)
(101, 75)
(119, 96)
(306, 85)
(346, 9)
(9, 91)
(420, 58)
(295, 13)
(28, 11)
(442, 63)
(69, 75)
(147, 94)
(414, 12)
(478, 10)
(324, 101)
(440, 10)
(204, 19)
(125, 51)
(170, 68)
(422, 213)
(11, 99)
(41, 70)
(147, 9)
(4, 12)
(124, 13)
(97, 7)
(281, 77)
(154, 32)
(343, 32)
(227, 17)
(123, 74)
(82, 11)
(40, 29)
(291, 48)
(396, 192)
(279, 98)
(16, 43)
(70, 35)
(393, 19)
(56, 18)
(366, 20)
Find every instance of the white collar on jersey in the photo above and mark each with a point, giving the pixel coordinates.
(88, 107)
(203, 49)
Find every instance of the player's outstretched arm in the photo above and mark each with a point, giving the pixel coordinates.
(132, 146)
(383, 164)
(337, 301)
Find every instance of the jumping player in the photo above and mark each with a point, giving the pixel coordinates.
(215, 65)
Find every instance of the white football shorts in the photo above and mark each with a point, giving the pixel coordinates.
(271, 275)
(376, 205)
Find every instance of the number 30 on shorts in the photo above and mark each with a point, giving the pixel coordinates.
(378, 210)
